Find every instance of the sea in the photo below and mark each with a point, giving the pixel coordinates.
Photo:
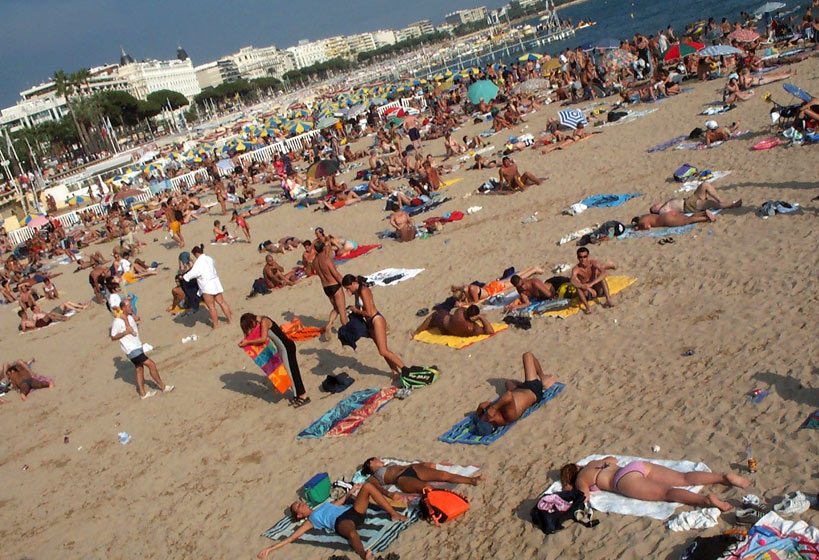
(621, 19)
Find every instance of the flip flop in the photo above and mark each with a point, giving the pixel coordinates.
(422, 312)
(298, 402)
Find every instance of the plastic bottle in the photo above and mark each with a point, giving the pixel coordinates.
(530, 219)
(751, 461)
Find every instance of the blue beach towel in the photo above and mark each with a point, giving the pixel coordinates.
(339, 412)
(665, 145)
(631, 233)
(608, 200)
(463, 431)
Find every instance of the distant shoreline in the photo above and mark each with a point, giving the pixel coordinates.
(567, 4)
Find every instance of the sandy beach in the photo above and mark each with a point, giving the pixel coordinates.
(214, 464)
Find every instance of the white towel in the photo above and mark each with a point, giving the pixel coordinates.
(690, 186)
(615, 503)
(694, 519)
(377, 278)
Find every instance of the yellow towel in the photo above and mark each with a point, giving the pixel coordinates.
(616, 284)
(434, 336)
(445, 184)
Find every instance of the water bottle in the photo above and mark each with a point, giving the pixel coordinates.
(530, 219)
(751, 461)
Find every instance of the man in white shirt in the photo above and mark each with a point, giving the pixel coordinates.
(124, 329)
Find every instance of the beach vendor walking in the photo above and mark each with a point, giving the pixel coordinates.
(259, 331)
(124, 329)
(204, 271)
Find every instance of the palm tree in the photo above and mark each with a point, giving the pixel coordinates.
(65, 87)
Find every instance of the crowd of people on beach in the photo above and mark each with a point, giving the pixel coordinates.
(398, 155)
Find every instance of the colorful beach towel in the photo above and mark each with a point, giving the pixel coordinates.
(812, 423)
(362, 250)
(434, 336)
(617, 503)
(350, 424)
(463, 431)
(616, 284)
(267, 358)
(690, 186)
(774, 538)
(608, 200)
(377, 532)
(347, 408)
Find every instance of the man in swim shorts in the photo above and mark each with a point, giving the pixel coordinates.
(528, 289)
(404, 227)
(518, 397)
(589, 278)
(508, 174)
(331, 284)
(704, 198)
(671, 219)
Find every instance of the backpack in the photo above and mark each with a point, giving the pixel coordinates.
(615, 116)
(440, 505)
(259, 287)
(552, 521)
(685, 172)
(418, 376)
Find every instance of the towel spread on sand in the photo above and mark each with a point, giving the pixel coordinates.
(632, 233)
(812, 422)
(267, 358)
(775, 538)
(449, 182)
(430, 203)
(665, 145)
(690, 186)
(362, 250)
(632, 115)
(348, 407)
(615, 503)
(463, 431)
(392, 276)
(703, 146)
(608, 200)
(434, 336)
(616, 284)
(377, 532)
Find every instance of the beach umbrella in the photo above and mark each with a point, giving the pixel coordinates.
(680, 50)
(323, 168)
(240, 147)
(471, 70)
(526, 57)
(551, 65)
(356, 110)
(571, 118)
(395, 122)
(74, 200)
(297, 127)
(443, 76)
(534, 84)
(35, 220)
(399, 112)
(769, 7)
(719, 50)
(482, 89)
(744, 35)
(419, 81)
(617, 58)
(587, 46)
(797, 91)
(127, 193)
(326, 122)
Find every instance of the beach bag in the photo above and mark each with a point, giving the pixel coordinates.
(551, 520)
(685, 173)
(418, 376)
(696, 133)
(440, 505)
(317, 489)
(566, 291)
(615, 116)
(259, 287)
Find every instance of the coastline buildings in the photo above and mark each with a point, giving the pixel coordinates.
(153, 75)
(460, 17)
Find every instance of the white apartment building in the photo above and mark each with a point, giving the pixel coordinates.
(384, 37)
(336, 46)
(261, 63)
(414, 30)
(362, 42)
(459, 17)
(31, 112)
(153, 75)
(307, 53)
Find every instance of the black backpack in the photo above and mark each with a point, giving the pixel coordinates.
(552, 522)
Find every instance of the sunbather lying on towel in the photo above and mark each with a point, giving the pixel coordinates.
(461, 322)
(411, 479)
(474, 293)
(23, 379)
(518, 397)
(717, 133)
(704, 198)
(529, 289)
(335, 516)
(671, 219)
(655, 483)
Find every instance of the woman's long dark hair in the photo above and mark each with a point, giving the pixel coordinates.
(247, 322)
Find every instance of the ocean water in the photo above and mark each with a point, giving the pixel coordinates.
(621, 19)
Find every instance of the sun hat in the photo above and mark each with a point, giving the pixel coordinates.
(711, 125)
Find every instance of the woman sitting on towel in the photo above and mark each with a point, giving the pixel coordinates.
(476, 293)
(336, 517)
(654, 483)
(411, 479)
(341, 247)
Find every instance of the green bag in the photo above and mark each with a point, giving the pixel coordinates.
(418, 376)
(317, 489)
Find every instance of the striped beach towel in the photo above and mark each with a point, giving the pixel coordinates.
(376, 534)
(267, 358)
(462, 432)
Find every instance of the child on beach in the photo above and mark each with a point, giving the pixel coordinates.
(241, 224)
(220, 233)
(176, 228)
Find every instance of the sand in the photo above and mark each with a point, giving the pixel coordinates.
(213, 464)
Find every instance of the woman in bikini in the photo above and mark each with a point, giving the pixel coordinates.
(475, 293)
(655, 483)
(376, 323)
(341, 247)
(410, 479)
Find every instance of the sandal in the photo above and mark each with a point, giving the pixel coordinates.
(298, 402)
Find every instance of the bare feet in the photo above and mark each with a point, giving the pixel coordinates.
(735, 204)
(609, 304)
(737, 480)
(587, 310)
(478, 479)
(717, 503)
(398, 517)
(710, 215)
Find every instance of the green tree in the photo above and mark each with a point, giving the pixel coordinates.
(164, 96)
(65, 87)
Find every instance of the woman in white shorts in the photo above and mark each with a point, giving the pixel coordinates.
(204, 271)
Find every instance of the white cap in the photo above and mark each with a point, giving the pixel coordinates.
(711, 125)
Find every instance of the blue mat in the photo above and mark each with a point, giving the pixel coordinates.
(631, 233)
(608, 200)
(340, 411)
(462, 431)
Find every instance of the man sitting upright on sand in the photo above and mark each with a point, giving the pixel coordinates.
(589, 278)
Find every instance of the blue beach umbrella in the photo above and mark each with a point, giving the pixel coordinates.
(571, 118)
(797, 91)
(482, 89)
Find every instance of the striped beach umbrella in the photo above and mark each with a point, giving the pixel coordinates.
(526, 57)
(719, 50)
(681, 50)
(744, 35)
(297, 127)
(571, 118)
